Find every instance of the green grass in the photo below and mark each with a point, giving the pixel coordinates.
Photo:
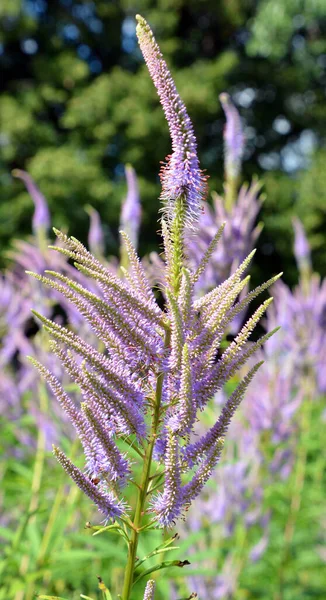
(46, 548)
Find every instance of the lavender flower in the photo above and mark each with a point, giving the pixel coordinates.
(41, 218)
(105, 501)
(174, 347)
(131, 209)
(301, 314)
(95, 232)
(160, 366)
(233, 138)
(181, 176)
(302, 255)
(235, 223)
(19, 383)
(301, 245)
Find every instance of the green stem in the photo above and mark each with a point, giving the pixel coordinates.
(143, 487)
(35, 491)
(299, 480)
(231, 191)
(50, 526)
(177, 228)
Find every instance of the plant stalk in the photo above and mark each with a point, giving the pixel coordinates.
(143, 487)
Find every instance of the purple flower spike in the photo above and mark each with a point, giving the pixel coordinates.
(150, 590)
(181, 176)
(95, 233)
(41, 217)
(165, 356)
(152, 370)
(168, 505)
(301, 244)
(103, 499)
(131, 208)
(233, 138)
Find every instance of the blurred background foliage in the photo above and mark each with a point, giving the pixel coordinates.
(77, 104)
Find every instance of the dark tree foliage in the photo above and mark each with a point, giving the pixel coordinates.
(77, 104)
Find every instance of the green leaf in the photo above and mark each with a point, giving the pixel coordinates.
(163, 565)
(165, 547)
(115, 528)
(51, 598)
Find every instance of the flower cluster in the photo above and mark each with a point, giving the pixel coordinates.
(181, 175)
(19, 335)
(235, 219)
(292, 371)
(302, 316)
(233, 139)
(160, 366)
(238, 210)
(238, 238)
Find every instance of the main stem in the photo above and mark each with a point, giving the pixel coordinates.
(231, 191)
(176, 233)
(143, 487)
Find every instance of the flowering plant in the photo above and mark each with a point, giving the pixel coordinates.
(142, 396)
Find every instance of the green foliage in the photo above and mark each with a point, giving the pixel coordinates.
(304, 196)
(277, 21)
(77, 104)
(53, 550)
(291, 570)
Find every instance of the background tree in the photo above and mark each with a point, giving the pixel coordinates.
(77, 105)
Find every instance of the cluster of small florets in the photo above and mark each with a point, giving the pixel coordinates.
(181, 175)
(119, 388)
(160, 366)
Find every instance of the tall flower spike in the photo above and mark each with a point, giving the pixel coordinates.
(195, 452)
(302, 253)
(95, 233)
(41, 218)
(192, 489)
(233, 138)
(131, 209)
(154, 370)
(181, 176)
(168, 505)
(301, 244)
(105, 501)
(118, 465)
(182, 421)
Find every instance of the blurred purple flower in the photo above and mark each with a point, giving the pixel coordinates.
(301, 245)
(302, 339)
(238, 238)
(233, 138)
(19, 336)
(130, 217)
(41, 218)
(95, 232)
